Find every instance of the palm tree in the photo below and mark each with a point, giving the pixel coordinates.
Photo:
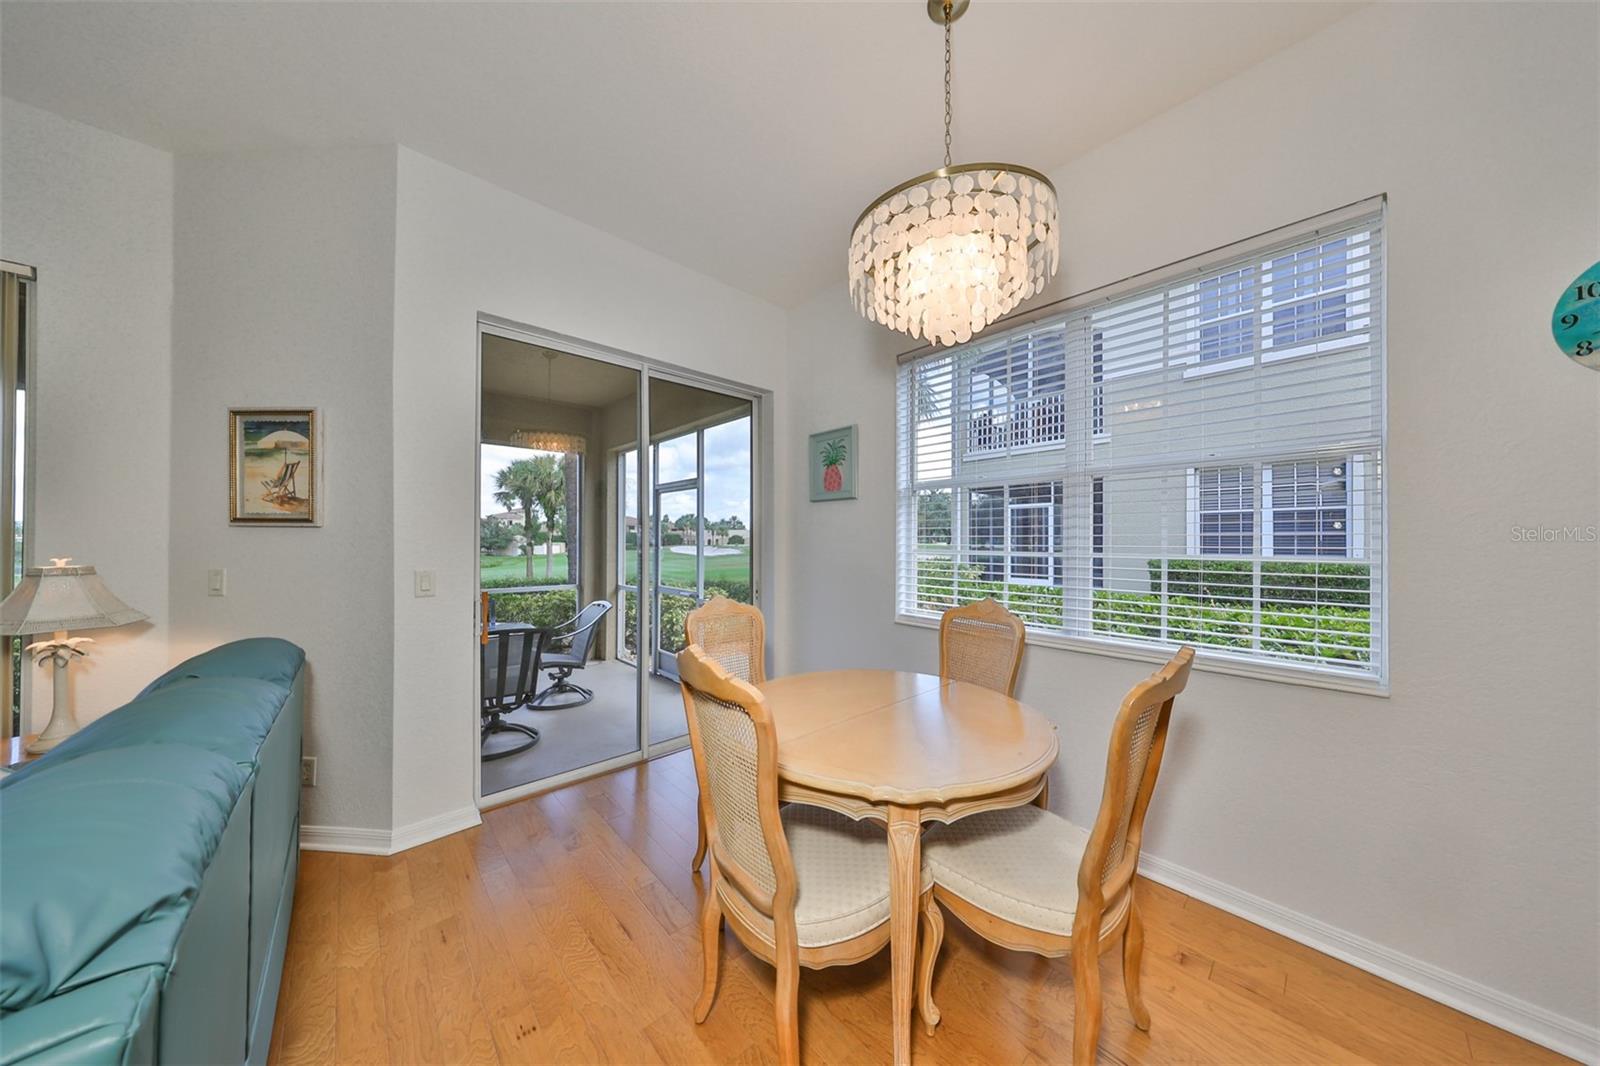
(526, 484)
(552, 498)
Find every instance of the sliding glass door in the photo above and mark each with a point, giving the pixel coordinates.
(556, 700)
(615, 499)
(702, 525)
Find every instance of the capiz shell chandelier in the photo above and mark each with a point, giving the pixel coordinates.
(943, 255)
(548, 440)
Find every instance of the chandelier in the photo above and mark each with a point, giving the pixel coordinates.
(943, 255)
(548, 440)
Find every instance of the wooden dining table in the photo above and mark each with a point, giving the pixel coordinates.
(904, 749)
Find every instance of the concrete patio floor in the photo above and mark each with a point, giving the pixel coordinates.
(573, 737)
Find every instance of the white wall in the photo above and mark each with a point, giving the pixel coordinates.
(285, 267)
(93, 212)
(1456, 822)
(465, 247)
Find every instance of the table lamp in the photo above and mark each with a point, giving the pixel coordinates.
(54, 599)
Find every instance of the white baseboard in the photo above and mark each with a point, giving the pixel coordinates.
(344, 838)
(440, 825)
(384, 841)
(1530, 1021)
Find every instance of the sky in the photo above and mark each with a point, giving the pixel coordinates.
(727, 474)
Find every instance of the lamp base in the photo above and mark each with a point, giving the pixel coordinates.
(63, 723)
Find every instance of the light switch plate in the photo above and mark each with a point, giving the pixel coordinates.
(216, 582)
(424, 582)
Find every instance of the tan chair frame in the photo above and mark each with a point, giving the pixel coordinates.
(1107, 909)
(733, 895)
(988, 611)
(695, 624)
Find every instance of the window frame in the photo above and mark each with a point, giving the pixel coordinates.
(1364, 316)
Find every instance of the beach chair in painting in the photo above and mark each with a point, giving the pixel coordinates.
(284, 486)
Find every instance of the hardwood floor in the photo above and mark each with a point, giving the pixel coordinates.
(563, 931)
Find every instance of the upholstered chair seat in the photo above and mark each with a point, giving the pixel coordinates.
(1020, 864)
(842, 867)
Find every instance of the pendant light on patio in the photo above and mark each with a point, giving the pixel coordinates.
(549, 440)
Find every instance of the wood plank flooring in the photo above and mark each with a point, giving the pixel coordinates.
(563, 931)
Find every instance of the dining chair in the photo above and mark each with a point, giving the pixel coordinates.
(798, 885)
(981, 643)
(1008, 875)
(735, 635)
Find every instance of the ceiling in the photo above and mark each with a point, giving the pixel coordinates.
(527, 371)
(739, 139)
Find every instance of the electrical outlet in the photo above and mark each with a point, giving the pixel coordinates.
(308, 771)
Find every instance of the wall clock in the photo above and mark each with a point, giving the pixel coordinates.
(1576, 320)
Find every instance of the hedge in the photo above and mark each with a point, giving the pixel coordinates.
(1216, 612)
(1229, 581)
(533, 608)
(674, 609)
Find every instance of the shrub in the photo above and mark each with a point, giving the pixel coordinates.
(1230, 580)
(735, 539)
(544, 608)
(1341, 634)
(942, 584)
(494, 536)
(674, 609)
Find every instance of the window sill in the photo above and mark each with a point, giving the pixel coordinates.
(1207, 660)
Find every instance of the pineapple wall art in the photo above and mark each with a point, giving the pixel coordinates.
(833, 464)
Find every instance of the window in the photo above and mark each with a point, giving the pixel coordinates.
(1015, 393)
(1227, 315)
(1309, 508)
(1225, 511)
(1194, 456)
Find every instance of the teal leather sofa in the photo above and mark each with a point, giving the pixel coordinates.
(147, 870)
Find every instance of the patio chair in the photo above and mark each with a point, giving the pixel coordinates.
(511, 663)
(577, 634)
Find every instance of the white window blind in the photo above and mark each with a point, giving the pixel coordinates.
(1194, 459)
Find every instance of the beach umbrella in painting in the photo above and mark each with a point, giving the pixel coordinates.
(285, 440)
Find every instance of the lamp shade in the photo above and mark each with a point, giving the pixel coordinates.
(62, 596)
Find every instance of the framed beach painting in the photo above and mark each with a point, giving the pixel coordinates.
(832, 456)
(273, 466)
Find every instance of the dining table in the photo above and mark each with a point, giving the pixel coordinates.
(905, 749)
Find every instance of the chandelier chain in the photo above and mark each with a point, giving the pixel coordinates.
(947, 6)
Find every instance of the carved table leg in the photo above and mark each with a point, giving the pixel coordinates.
(905, 890)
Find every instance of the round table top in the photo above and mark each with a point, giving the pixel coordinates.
(908, 739)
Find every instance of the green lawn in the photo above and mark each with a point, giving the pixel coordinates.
(504, 566)
(677, 569)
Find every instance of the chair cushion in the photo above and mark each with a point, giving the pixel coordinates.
(1019, 864)
(842, 870)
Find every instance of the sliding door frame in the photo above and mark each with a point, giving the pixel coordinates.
(649, 370)
(20, 317)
